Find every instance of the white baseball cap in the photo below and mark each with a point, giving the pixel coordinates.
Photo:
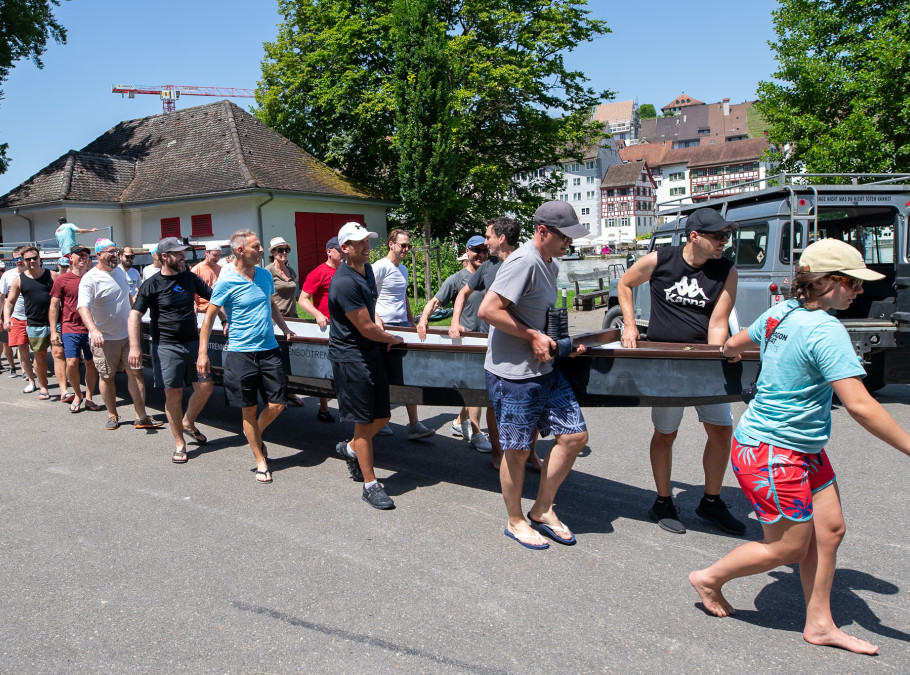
(834, 255)
(354, 232)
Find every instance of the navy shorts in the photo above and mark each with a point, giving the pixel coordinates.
(546, 403)
(174, 365)
(248, 374)
(76, 344)
(362, 389)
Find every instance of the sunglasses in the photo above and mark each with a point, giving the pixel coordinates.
(565, 239)
(19, 259)
(282, 250)
(404, 246)
(853, 281)
(479, 250)
(129, 257)
(716, 236)
(32, 259)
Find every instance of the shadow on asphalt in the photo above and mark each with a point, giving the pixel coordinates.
(779, 605)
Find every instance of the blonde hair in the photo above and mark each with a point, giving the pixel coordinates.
(238, 239)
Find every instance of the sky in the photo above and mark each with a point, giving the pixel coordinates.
(656, 50)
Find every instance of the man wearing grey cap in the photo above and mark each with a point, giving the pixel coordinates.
(169, 297)
(693, 290)
(527, 390)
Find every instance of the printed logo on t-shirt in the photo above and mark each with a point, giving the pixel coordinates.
(770, 336)
(178, 288)
(685, 292)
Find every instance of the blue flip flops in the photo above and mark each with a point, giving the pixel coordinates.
(551, 531)
(542, 545)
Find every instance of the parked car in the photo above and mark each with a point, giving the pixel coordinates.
(777, 223)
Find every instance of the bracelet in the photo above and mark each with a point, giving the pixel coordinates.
(722, 347)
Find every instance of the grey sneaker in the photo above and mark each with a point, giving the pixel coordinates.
(13, 373)
(376, 497)
(385, 431)
(456, 429)
(341, 449)
(418, 431)
(467, 431)
(481, 442)
(666, 515)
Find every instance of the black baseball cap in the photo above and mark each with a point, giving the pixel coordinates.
(333, 243)
(708, 220)
(78, 248)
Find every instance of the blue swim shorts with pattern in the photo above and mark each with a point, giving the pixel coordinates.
(546, 403)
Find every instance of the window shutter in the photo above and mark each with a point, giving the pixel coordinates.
(202, 225)
(170, 227)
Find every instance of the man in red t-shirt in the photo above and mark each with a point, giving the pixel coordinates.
(74, 339)
(314, 298)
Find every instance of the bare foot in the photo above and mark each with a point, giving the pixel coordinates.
(713, 600)
(835, 637)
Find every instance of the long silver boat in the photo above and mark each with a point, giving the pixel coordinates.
(445, 372)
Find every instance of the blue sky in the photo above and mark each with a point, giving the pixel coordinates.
(711, 50)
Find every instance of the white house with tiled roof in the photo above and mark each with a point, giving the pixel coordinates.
(200, 173)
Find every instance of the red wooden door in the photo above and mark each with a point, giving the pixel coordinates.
(313, 231)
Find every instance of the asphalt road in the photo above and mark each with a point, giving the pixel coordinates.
(113, 559)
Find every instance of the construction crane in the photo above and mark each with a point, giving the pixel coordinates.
(169, 93)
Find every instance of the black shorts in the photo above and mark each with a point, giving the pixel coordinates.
(363, 391)
(247, 374)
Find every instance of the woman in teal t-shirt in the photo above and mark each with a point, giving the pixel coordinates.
(778, 448)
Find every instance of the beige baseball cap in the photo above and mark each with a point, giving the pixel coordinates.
(834, 255)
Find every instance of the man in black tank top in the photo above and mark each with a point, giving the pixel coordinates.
(35, 285)
(693, 289)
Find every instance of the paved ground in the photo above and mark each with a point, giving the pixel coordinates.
(114, 559)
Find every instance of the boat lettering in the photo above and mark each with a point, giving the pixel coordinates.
(306, 353)
(850, 199)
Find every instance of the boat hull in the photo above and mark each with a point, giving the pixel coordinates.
(443, 372)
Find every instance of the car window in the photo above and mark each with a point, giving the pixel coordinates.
(748, 245)
(661, 241)
(785, 241)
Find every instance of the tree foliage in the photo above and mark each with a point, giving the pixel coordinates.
(841, 102)
(647, 111)
(25, 26)
(329, 84)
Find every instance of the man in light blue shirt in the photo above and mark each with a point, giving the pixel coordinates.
(66, 235)
(252, 359)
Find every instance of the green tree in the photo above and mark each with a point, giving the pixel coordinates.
(647, 111)
(423, 117)
(841, 99)
(328, 84)
(25, 26)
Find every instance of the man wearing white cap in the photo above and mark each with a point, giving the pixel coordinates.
(693, 290)
(527, 390)
(208, 270)
(104, 305)
(356, 344)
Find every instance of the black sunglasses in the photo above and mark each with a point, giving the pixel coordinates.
(479, 249)
(565, 239)
(282, 250)
(716, 236)
(128, 257)
(30, 259)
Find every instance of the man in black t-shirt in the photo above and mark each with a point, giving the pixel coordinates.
(356, 344)
(693, 289)
(169, 298)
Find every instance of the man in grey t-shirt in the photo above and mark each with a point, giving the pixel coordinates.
(526, 390)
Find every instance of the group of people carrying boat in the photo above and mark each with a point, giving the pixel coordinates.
(777, 448)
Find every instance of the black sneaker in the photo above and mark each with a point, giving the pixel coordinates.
(665, 514)
(376, 497)
(717, 513)
(341, 449)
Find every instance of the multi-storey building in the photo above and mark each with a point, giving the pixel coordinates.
(627, 197)
(687, 175)
(620, 119)
(694, 123)
(581, 181)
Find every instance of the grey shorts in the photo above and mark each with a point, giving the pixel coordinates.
(667, 420)
(174, 365)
